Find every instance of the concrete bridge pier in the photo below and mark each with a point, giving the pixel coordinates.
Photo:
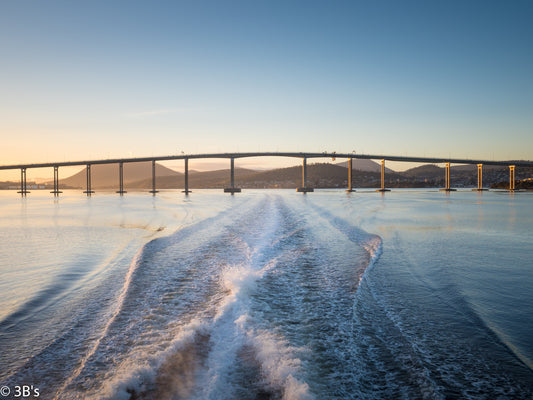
(232, 189)
(56, 190)
(89, 191)
(305, 188)
(383, 189)
(350, 189)
(511, 178)
(447, 187)
(186, 191)
(23, 187)
(480, 179)
(121, 190)
(153, 191)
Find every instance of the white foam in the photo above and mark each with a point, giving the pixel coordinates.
(279, 364)
(374, 248)
(230, 331)
(140, 371)
(119, 303)
(224, 330)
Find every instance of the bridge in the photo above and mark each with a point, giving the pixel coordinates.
(305, 188)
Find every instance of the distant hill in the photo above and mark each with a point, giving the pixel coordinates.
(524, 184)
(364, 165)
(105, 176)
(427, 170)
(320, 175)
(205, 179)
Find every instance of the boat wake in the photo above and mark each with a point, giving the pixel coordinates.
(234, 306)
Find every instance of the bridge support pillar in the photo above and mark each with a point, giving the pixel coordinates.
(89, 191)
(480, 179)
(23, 186)
(511, 178)
(447, 187)
(186, 191)
(153, 191)
(305, 188)
(350, 189)
(383, 189)
(56, 182)
(121, 190)
(232, 189)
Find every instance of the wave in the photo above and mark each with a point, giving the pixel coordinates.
(416, 338)
(118, 307)
(199, 362)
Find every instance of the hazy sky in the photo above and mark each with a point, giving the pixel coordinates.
(100, 79)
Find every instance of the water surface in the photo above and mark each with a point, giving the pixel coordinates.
(268, 294)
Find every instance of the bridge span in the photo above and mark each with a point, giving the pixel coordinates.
(305, 188)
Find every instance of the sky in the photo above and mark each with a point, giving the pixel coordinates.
(100, 79)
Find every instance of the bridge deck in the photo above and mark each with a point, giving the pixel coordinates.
(431, 160)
